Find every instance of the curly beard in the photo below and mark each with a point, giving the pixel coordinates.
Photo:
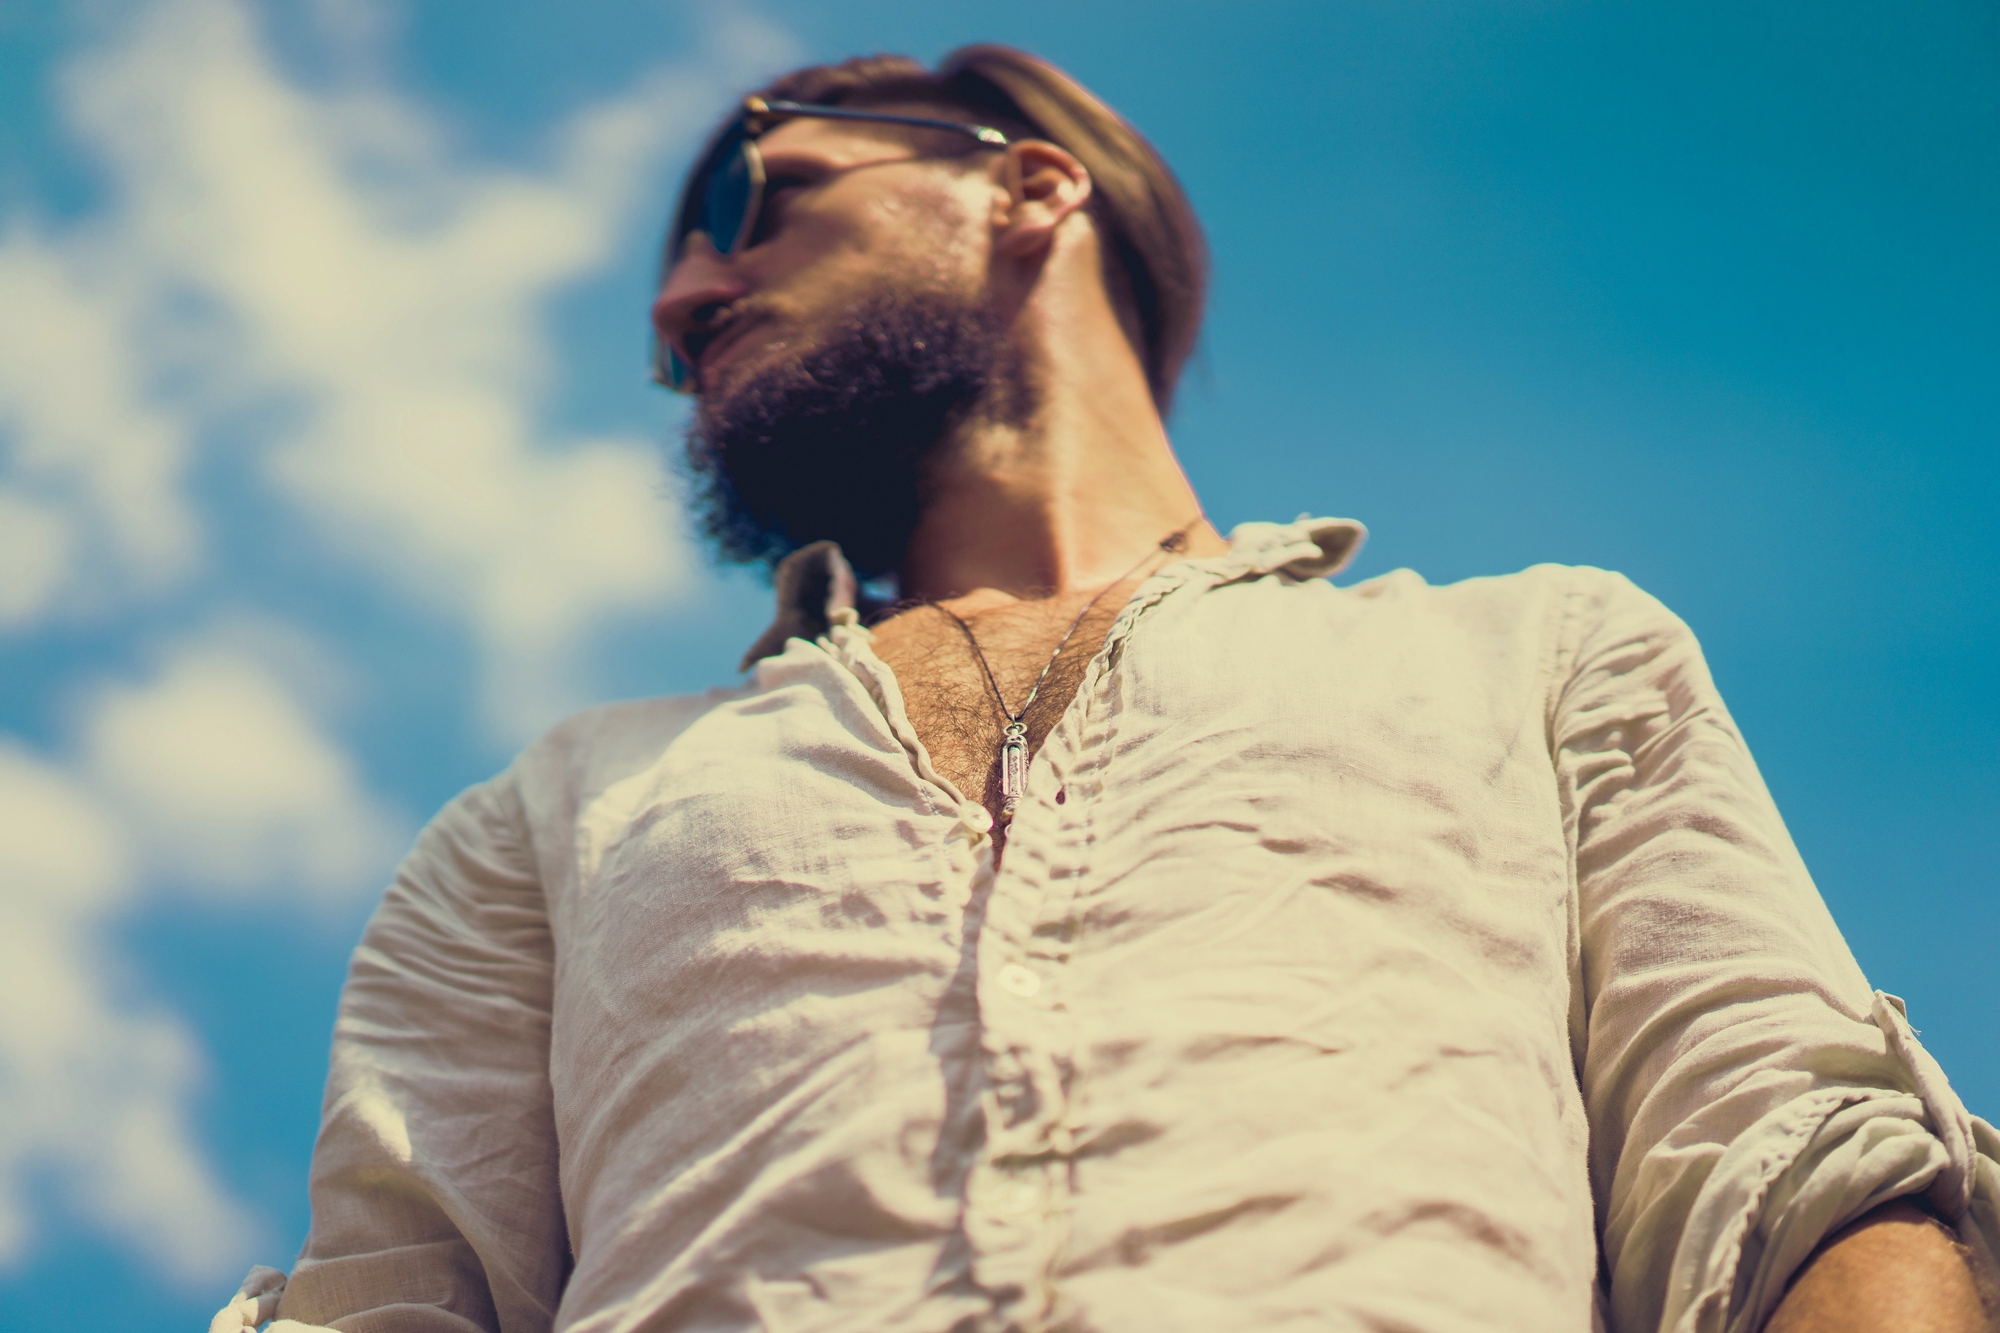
(835, 444)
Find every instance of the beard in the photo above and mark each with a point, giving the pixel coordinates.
(835, 444)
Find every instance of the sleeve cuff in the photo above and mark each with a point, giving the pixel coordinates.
(1816, 1163)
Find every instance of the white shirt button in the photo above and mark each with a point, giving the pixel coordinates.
(1019, 980)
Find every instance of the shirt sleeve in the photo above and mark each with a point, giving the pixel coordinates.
(1748, 1093)
(435, 1203)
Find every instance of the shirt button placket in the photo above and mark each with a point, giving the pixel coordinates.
(1015, 1211)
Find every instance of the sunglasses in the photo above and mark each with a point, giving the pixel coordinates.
(725, 193)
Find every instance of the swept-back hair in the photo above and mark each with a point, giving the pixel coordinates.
(1156, 260)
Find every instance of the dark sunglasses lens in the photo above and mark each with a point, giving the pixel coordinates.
(726, 198)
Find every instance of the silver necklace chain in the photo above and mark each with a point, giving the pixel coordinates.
(1014, 738)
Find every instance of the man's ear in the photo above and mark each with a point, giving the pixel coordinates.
(1044, 184)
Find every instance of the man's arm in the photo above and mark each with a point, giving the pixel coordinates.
(1747, 1090)
(1896, 1269)
(434, 1192)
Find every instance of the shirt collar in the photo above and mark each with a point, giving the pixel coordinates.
(1306, 548)
(816, 588)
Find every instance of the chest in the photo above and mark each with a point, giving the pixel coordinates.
(1265, 769)
(964, 679)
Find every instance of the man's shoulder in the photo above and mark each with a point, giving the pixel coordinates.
(1555, 613)
(1577, 585)
(596, 747)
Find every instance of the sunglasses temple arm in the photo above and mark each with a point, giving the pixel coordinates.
(983, 133)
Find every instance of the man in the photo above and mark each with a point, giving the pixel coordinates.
(1122, 927)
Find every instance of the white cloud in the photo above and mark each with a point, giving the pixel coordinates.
(94, 1097)
(318, 288)
(232, 787)
(395, 297)
(36, 549)
(214, 773)
(82, 430)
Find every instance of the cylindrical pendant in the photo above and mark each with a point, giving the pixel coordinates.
(1013, 768)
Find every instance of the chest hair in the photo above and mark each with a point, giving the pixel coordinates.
(946, 693)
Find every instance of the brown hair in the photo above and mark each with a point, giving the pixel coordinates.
(1156, 259)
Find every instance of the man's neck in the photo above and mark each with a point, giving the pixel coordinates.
(1073, 499)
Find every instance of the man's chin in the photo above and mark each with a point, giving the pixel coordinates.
(799, 438)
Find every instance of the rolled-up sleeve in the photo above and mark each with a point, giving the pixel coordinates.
(1748, 1092)
(435, 1202)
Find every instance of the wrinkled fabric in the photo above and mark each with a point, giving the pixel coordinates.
(1385, 956)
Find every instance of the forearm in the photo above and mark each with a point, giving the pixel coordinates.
(1893, 1270)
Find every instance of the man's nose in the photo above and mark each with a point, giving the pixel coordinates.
(700, 284)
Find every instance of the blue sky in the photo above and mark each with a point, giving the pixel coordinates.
(328, 472)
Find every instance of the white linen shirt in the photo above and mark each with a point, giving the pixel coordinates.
(1385, 956)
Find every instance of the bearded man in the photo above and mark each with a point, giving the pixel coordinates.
(1110, 925)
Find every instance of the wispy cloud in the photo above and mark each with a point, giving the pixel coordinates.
(229, 785)
(94, 1097)
(215, 776)
(325, 264)
(328, 254)
(95, 465)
